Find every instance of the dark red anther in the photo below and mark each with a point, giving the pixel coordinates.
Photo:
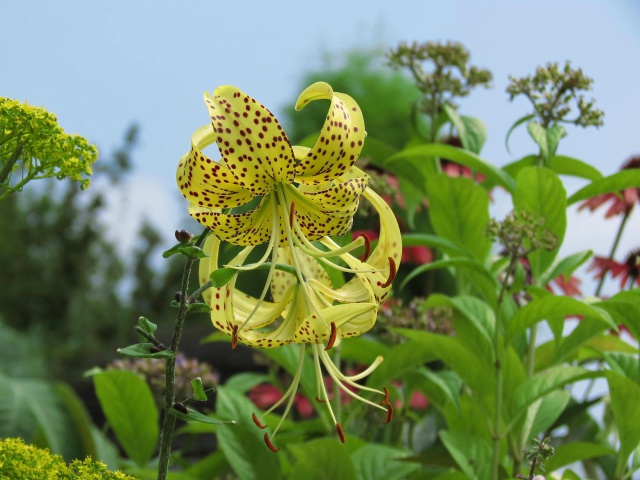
(267, 440)
(389, 414)
(332, 336)
(386, 397)
(257, 422)
(392, 273)
(292, 213)
(319, 400)
(340, 432)
(234, 337)
(367, 246)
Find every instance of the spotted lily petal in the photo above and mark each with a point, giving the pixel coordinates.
(207, 183)
(250, 139)
(340, 141)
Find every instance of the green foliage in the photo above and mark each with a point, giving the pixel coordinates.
(19, 461)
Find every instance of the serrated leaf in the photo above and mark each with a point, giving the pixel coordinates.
(321, 459)
(130, 409)
(380, 462)
(143, 350)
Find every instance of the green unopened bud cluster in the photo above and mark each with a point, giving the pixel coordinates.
(553, 90)
(34, 146)
(440, 70)
(519, 229)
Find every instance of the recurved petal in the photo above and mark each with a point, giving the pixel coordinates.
(207, 183)
(340, 141)
(251, 141)
(251, 228)
(317, 330)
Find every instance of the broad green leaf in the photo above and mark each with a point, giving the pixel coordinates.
(427, 240)
(363, 349)
(552, 306)
(243, 444)
(245, 381)
(38, 412)
(380, 462)
(459, 212)
(569, 453)
(413, 199)
(570, 475)
(212, 466)
(516, 124)
(321, 459)
(441, 387)
(472, 131)
(472, 454)
(144, 350)
(220, 277)
(475, 311)
(560, 164)
(413, 165)
(399, 360)
(541, 193)
(189, 251)
(545, 382)
(626, 411)
(627, 305)
(539, 135)
(128, 406)
(550, 407)
(474, 371)
(374, 149)
(623, 363)
(475, 271)
(611, 184)
(494, 175)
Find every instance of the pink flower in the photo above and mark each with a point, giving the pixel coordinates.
(628, 270)
(621, 202)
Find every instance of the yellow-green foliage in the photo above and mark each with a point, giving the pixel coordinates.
(26, 462)
(33, 145)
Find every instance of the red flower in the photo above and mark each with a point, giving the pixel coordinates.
(621, 202)
(570, 287)
(628, 271)
(265, 395)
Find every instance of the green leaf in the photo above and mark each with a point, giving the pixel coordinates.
(42, 413)
(552, 306)
(428, 240)
(472, 131)
(550, 407)
(612, 184)
(146, 325)
(626, 410)
(570, 475)
(288, 357)
(400, 359)
(198, 390)
(459, 212)
(566, 266)
(195, 416)
(541, 193)
(560, 164)
(471, 453)
(321, 459)
(128, 406)
(189, 251)
(245, 381)
(144, 350)
(380, 462)
(243, 443)
(493, 174)
(569, 453)
(517, 123)
(623, 363)
(213, 465)
(545, 382)
(474, 371)
(474, 270)
(441, 388)
(220, 277)
(546, 138)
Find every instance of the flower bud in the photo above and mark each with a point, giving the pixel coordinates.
(183, 236)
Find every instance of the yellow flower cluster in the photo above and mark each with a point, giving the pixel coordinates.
(19, 461)
(34, 146)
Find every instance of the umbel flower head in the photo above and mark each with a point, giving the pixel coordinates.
(304, 196)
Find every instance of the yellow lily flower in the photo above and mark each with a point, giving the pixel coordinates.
(307, 194)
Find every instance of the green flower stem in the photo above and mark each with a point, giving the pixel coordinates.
(148, 336)
(613, 249)
(496, 434)
(169, 420)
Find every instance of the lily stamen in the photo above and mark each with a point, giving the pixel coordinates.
(257, 421)
(332, 337)
(392, 273)
(267, 440)
(340, 432)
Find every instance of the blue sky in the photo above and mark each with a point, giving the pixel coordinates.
(101, 65)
